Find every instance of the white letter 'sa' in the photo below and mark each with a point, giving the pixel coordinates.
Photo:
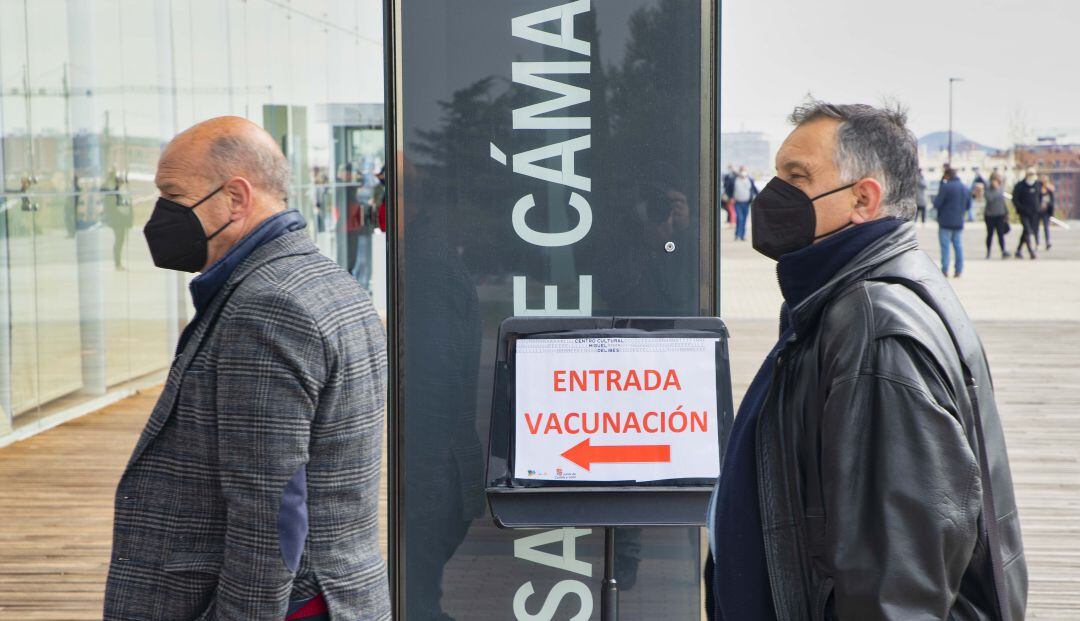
(525, 548)
(551, 603)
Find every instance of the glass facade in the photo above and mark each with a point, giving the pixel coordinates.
(90, 92)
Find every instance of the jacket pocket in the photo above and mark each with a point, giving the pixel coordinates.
(822, 609)
(192, 578)
(198, 562)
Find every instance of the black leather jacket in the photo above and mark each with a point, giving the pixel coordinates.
(868, 460)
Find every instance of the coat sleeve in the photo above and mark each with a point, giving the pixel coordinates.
(901, 488)
(270, 373)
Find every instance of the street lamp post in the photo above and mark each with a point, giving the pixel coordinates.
(951, 81)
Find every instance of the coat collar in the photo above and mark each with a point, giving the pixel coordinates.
(206, 285)
(891, 245)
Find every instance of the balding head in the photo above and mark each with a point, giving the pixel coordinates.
(237, 159)
(229, 146)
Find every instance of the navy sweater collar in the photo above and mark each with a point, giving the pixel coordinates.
(206, 285)
(805, 271)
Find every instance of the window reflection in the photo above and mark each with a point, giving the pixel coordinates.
(89, 94)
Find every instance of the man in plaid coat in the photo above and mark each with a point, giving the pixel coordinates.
(252, 493)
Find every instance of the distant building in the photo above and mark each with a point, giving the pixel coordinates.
(1058, 157)
(750, 149)
(970, 160)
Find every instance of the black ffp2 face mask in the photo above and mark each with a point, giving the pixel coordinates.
(783, 218)
(176, 237)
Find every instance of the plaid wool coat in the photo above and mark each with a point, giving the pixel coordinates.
(255, 481)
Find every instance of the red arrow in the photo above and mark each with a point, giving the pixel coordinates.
(585, 454)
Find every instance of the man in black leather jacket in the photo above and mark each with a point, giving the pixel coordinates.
(866, 476)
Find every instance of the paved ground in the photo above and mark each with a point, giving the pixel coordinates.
(56, 488)
(1047, 289)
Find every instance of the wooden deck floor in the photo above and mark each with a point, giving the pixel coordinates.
(56, 488)
(56, 494)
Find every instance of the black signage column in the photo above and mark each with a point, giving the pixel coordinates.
(549, 158)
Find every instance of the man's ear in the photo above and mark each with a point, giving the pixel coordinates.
(868, 194)
(241, 197)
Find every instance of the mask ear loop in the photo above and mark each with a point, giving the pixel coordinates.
(215, 233)
(840, 189)
(206, 198)
(834, 231)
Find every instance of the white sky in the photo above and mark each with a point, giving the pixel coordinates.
(1017, 58)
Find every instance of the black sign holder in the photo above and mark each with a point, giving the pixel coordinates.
(522, 503)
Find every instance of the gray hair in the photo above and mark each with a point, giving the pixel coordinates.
(872, 142)
(266, 168)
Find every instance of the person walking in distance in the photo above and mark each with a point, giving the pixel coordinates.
(1027, 194)
(743, 192)
(1046, 210)
(728, 203)
(951, 202)
(977, 204)
(920, 199)
(976, 193)
(996, 215)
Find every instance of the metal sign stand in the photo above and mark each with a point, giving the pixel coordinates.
(609, 589)
(516, 504)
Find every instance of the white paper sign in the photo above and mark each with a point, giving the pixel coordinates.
(616, 409)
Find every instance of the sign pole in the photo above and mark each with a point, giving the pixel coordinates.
(609, 589)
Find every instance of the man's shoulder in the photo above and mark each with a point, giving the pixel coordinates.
(310, 286)
(881, 308)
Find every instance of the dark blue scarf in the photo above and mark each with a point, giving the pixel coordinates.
(206, 285)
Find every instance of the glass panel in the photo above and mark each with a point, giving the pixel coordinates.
(148, 107)
(57, 274)
(209, 47)
(5, 311)
(97, 119)
(87, 101)
(22, 391)
(366, 149)
(639, 90)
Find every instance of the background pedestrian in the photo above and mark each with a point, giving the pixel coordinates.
(952, 203)
(996, 215)
(1026, 198)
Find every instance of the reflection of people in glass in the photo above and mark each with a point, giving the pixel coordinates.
(378, 199)
(444, 462)
(69, 214)
(323, 204)
(357, 224)
(118, 214)
(658, 229)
